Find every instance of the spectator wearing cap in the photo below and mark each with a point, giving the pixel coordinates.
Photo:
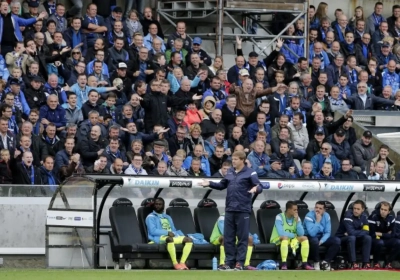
(52, 112)
(196, 48)
(253, 62)
(10, 28)
(73, 36)
(180, 34)
(33, 12)
(383, 156)
(363, 151)
(276, 172)
(325, 155)
(151, 36)
(384, 55)
(35, 95)
(361, 101)
(340, 147)
(347, 173)
(117, 54)
(59, 18)
(122, 73)
(147, 20)
(314, 146)
(19, 97)
(94, 25)
(116, 15)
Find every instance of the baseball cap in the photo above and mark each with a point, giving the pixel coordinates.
(197, 41)
(33, 3)
(320, 130)
(340, 132)
(253, 54)
(37, 79)
(386, 45)
(122, 65)
(14, 82)
(273, 159)
(367, 134)
(244, 72)
(117, 10)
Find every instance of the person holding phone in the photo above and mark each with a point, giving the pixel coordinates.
(241, 182)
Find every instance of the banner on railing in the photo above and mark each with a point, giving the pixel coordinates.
(273, 185)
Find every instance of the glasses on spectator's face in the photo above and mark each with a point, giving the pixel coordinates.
(324, 148)
(76, 53)
(366, 38)
(8, 111)
(137, 160)
(361, 87)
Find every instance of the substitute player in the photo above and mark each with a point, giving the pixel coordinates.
(161, 230)
(241, 183)
(353, 230)
(317, 228)
(217, 238)
(288, 229)
(381, 229)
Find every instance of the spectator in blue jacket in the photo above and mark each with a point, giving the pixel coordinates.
(291, 48)
(381, 229)
(317, 227)
(259, 125)
(216, 92)
(325, 173)
(199, 152)
(384, 56)
(325, 156)
(8, 37)
(53, 113)
(354, 229)
(390, 77)
(214, 141)
(318, 51)
(63, 157)
(112, 151)
(258, 159)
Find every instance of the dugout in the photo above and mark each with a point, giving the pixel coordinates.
(78, 223)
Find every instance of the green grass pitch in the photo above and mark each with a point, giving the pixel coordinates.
(43, 274)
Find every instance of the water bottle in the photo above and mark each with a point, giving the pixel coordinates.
(214, 263)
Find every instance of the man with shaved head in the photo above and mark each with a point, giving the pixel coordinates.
(52, 112)
(25, 173)
(92, 146)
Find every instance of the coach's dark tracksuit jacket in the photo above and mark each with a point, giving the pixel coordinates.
(238, 198)
(396, 228)
(378, 224)
(353, 225)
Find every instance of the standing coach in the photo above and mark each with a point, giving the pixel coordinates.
(241, 182)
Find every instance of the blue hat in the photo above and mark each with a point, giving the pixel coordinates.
(14, 82)
(320, 130)
(197, 41)
(386, 45)
(274, 158)
(33, 3)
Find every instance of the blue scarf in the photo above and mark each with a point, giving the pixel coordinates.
(353, 76)
(218, 95)
(32, 175)
(50, 141)
(50, 178)
(282, 104)
(262, 159)
(365, 50)
(138, 172)
(110, 111)
(115, 155)
(76, 38)
(12, 126)
(323, 35)
(339, 33)
(349, 47)
(377, 20)
(36, 129)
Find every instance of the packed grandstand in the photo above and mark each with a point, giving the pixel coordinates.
(111, 94)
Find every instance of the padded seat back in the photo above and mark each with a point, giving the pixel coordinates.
(206, 215)
(253, 224)
(124, 222)
(330, 209)
(181, 215)
(303, 209)
(144, 210)
(266, 219)
(366, 212)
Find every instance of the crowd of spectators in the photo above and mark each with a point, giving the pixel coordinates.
(114, 95)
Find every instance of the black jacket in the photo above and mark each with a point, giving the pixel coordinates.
(350, 175)
(208, 127)
(38, 149)
(35, 98)
(174, 145)
(89, 149)
(229, 117)
(216, 163)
